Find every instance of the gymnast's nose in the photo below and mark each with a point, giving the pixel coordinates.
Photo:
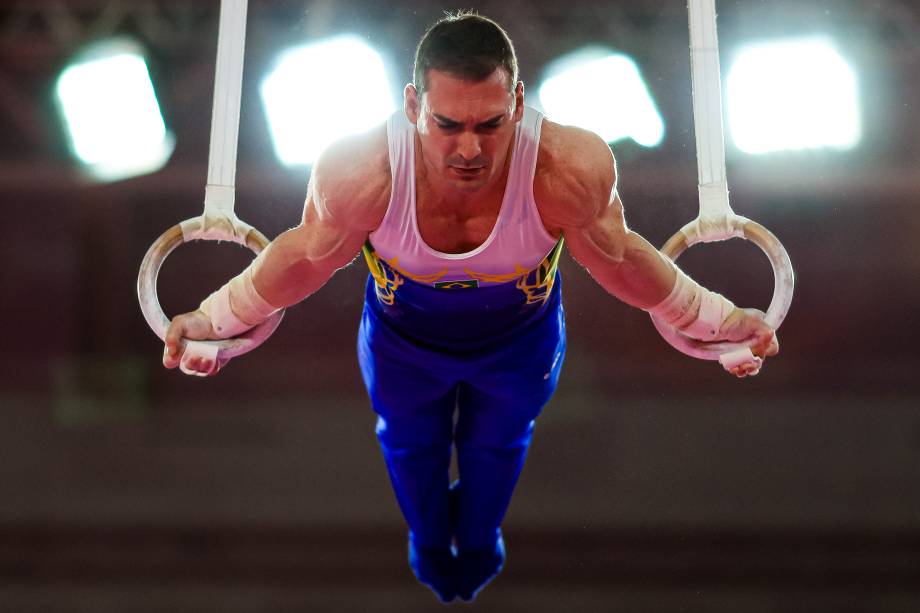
(468, 146)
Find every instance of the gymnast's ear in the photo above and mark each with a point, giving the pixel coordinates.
(412, 103)
(518, 101)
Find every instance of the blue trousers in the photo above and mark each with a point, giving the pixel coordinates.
(483, 402)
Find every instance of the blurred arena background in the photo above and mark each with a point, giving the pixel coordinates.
(655, 483)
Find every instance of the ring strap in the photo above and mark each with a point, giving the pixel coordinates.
(216, 226)
(228, 85)
(707, 95)
(219, 222)
(711, 228)
(716, 221)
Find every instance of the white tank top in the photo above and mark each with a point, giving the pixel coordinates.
(518, 242)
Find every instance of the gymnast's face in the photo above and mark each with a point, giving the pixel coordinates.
(465, 128)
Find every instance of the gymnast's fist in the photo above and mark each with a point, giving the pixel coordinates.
(195, 325)
(746, 325)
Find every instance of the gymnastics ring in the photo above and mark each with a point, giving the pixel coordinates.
(150, 270)
(783, 278)
(218, 222)
(716, 220)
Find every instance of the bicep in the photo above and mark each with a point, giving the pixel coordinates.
(621, 261)
(346, 199)
(345, 202)
(327, 238)
(579, 191)
(300, 260)
(592, 218)
(599, 239)
(577, 194)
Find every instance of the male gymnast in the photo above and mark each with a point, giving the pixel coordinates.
(460, 204)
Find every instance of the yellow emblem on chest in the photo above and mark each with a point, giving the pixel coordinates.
(536, 284)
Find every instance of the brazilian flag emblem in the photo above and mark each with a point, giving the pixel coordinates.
(462, 284)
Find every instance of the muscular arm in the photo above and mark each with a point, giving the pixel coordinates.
(580, 200)
(346, 200)
(576, 192)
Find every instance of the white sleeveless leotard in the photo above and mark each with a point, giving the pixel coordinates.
(518, 243)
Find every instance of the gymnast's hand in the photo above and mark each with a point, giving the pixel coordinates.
(745, 325)
(195, 325)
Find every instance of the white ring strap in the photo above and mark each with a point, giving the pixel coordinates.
(225, 115)
(219, 221)
(707, 96)
(716, 219)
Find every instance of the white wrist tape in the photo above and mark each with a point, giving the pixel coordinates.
(248, 307)
(248, 303)
(224, 321)
(714, 310)
(693, 309)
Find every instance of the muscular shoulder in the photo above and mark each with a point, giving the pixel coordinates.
(575, 175)
(351, 179)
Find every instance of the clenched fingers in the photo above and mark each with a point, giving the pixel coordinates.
(197, 365)
(748, 369)
(200, 359)
(766, 343)
(194, 325)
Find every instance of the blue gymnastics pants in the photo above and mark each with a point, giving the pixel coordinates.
(429, 400)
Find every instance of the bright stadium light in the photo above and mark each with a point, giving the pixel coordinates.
(602, 91)
(324, 91)
(111, 112)
(789, 95)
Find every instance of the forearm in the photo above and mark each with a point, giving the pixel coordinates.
(643, 277)
(284, 273)
(630, 268)
(638, 274)
(293, 266)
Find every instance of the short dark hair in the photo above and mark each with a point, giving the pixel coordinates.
(467, 46)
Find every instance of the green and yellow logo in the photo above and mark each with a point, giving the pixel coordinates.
(461, 284)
